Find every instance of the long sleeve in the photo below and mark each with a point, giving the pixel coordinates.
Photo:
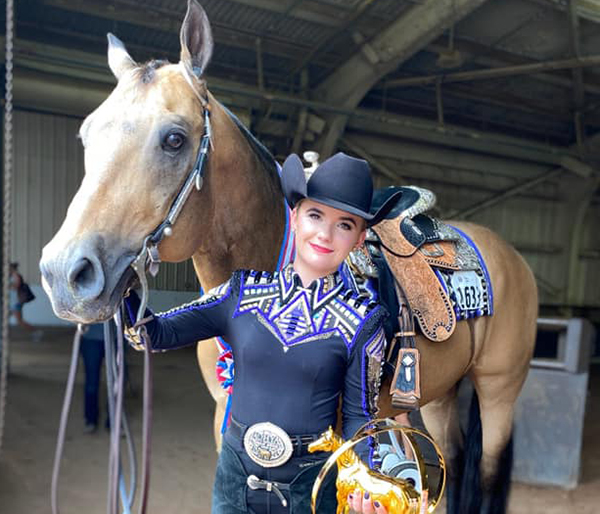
(189, 323)
(363, 376)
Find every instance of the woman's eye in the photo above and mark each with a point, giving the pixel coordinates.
(314, 216)
(174, 141)
(346, 226)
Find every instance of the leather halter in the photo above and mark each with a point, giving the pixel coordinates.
(148, 258)
(195, 177)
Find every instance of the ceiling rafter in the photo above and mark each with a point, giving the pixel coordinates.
(363, 119)
(485, 55)
(407, 35)
(171, 22)
(234, 61)
(353, 17)
(492, 96)
(316, 12)
(495, 73)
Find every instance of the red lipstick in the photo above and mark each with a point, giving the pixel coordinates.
(320, 249)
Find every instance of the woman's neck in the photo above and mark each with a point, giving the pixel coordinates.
(307, 274)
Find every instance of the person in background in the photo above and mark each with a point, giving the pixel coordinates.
(20, 294)
(92, 352)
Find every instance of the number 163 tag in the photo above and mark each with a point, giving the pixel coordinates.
(468, 289)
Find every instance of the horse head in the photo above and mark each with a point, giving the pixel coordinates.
(140, 145)
(328, 442)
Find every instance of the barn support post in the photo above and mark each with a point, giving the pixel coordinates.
(575, 210)
(439, 101)
(302, 114)
(259, 65)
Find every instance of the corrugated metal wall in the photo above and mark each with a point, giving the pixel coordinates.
(48, 167)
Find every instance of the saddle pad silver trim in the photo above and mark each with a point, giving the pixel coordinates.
(268, 445)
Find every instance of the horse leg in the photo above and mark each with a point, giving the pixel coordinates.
(207, 354)
(441, 419)
(500, 368)
(503, 346)
(496, 400)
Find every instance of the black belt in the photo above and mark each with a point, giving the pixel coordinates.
(299, 442)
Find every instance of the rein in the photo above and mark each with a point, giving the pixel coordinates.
(147, 260)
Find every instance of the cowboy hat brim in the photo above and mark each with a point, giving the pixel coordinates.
(295, 188)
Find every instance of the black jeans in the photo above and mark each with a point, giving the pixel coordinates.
(231, 494)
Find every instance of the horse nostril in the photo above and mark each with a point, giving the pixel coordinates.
(81, 273)
(86, 279)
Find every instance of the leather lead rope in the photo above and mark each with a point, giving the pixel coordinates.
(115, 373)
(64, 417)
(114, 368)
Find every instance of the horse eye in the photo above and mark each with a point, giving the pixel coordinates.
(174, 141)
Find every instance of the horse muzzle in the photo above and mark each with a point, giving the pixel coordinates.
(85, 280)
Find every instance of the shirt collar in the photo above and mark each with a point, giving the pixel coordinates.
(319, 292)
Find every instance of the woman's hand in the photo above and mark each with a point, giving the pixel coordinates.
(362, 504)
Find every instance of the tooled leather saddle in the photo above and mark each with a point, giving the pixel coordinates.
(424, 270)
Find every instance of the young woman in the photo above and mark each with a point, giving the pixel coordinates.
(300, 339)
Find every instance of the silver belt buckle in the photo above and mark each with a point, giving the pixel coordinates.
(268, 445)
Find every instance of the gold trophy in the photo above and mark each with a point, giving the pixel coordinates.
(399, 495)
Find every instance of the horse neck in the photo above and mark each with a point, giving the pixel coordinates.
(247, 230)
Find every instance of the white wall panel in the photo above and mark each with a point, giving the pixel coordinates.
(48, 166)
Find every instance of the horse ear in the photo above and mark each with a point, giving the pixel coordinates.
(196, 39)
(119, 60)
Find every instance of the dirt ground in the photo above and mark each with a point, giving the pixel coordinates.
(183, 456)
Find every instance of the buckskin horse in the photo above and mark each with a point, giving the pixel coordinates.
(140, 144)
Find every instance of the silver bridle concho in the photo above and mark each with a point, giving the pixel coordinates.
(268, 445)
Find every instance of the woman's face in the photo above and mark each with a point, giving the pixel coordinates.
(324, 236)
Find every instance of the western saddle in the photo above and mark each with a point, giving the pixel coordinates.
(406, 254)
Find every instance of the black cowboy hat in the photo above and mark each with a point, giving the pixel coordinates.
(342, 182)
